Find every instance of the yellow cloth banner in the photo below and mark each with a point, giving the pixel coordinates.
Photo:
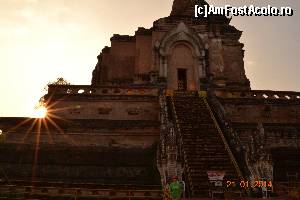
(169, 93)
(203, 94)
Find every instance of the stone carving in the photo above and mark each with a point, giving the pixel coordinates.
(234, 138)
(133, 111)
(257, 158)
(263, 170)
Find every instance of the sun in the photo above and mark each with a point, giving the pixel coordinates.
(40, 112)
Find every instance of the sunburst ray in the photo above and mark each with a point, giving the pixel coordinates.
(36, 150)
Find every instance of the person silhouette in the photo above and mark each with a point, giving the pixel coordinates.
(175, 189)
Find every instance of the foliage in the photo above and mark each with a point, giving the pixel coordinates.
(58, 81)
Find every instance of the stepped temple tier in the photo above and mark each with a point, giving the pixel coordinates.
(171, 100)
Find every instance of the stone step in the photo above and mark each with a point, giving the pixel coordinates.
(198, 129)
(198, 138)
(204, 145)
(201, 152)
(208, 159)
(207, 155)
(194, 169)
(190, 135)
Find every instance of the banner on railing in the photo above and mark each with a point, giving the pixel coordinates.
(216, 175)
(169, 93)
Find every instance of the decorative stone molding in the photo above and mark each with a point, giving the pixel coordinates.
(181, 33)
(75, 111)
(104, 111)
(136, 111)
(87, 90)
(258, 94)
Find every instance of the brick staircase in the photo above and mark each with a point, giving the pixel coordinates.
(202, 146)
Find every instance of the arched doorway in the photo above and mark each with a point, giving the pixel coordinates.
(181, 71)
(181, 59)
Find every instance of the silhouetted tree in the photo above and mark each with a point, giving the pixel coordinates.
(58, 81)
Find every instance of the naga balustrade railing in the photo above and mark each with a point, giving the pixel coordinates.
(227, 147)
(163, 127)
(181, 156)
(177, 135)
(229, 133)
(167, 152)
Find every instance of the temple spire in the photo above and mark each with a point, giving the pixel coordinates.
(185, 7)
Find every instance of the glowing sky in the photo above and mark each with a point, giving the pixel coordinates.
(41, 40)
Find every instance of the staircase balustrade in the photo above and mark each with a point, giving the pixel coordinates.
(236, 146)
(224, 140)
(168, 148)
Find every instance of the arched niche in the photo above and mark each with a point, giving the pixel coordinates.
(181, 40)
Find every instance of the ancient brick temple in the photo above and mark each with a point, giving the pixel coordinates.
(172, 100)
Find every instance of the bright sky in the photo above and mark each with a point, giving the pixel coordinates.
(41, 40)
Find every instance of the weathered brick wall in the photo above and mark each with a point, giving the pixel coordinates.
(107, 103)
(121, 60)
(233, 56)
(97, 151)
(220, 54)
(144, 50)
(120, 138)
(280, 119)
(80, 164)
(262, 111)
(276, 135)
(264, 126)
